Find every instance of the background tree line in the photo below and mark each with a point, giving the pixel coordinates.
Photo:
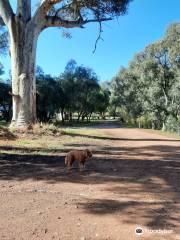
(75, 92)
(148, 90)
(74, 95)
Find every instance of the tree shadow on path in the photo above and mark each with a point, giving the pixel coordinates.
(121, 139)
(140, 186)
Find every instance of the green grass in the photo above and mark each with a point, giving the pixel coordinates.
(51, 144)
(24, 142)
(81, 131)
(163, 133)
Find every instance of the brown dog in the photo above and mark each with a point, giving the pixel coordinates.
(77, 155)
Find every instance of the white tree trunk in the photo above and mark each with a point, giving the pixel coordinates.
(23, 40)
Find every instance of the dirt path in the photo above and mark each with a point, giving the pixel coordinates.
(133, 180)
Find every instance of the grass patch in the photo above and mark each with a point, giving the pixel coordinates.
(45, 144)
(48, 140)
(24, 142)
(81, 131)
(27, 152)
(163, 133)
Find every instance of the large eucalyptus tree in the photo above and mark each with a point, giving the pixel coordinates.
(24, 27)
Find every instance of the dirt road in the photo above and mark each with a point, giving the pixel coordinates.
(133, 180)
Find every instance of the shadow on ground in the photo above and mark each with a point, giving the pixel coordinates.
(120, 139)
(131, 170)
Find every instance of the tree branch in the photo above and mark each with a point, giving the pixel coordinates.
(99, 37)
(6, 11)
(24, 9)
(45, 6)
(1, 22)
(58, 22)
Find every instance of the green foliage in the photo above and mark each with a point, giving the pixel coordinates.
(150, 86)
(74, 10)
(82, 92)
(125, 91)
(101, 101)
(113, 106)
(5, 97)
(48, 97)
(173, 125)
(5, 101)
(75, 91)
(144, 122)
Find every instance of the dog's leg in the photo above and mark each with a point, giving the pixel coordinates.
(69, 167)
(84, 166)
(81, 166)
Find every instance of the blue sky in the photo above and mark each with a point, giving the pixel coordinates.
(145, 23)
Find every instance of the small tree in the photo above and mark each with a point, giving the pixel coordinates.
(67, 84)
(77, 84)
(86, 83)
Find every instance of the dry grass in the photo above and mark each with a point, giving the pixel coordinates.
(5, 133)
(47, 140)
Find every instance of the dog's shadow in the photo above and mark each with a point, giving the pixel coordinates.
(75, 170)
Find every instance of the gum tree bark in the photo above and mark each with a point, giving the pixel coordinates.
(24, 30)
(23, 54)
